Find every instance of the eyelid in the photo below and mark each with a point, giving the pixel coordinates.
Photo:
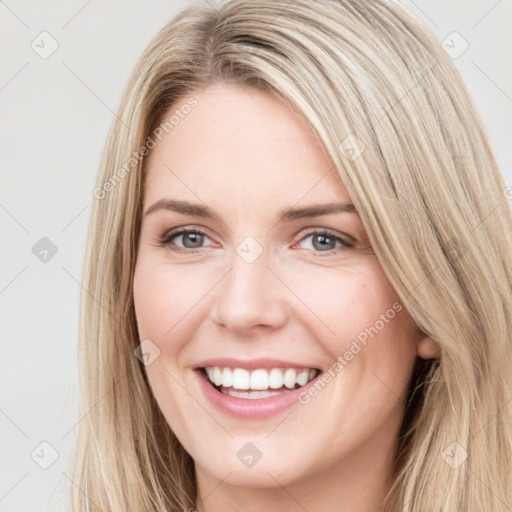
(348, 240)
(172, 233)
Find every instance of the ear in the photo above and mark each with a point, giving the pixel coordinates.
(427, 348)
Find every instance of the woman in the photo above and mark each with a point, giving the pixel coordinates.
(297, 295)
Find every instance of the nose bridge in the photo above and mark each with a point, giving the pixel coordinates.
(250, 294)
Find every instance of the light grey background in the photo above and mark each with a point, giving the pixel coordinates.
(55, 115)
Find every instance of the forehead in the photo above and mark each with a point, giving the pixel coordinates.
(242, 145)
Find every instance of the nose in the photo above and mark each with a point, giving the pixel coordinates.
(250, 297)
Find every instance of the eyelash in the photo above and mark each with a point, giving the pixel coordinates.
(165, 240)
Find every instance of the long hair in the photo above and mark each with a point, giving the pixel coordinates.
(392, 113)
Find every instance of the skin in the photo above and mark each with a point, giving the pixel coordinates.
(247, 157)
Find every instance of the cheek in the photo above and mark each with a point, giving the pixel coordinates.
(164, 309)
(343, 302)
(166, 300)
(356, 315)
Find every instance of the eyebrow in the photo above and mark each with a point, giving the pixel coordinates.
(200, 211)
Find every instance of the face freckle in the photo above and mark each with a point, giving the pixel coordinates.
(277, 301)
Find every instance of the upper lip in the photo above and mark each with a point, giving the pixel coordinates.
(251, 364)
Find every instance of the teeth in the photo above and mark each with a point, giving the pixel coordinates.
(227, 377)
(217, 376)
(251, 395)
(261, 379)
(241, 379)
(303, 377)
(275, 379)
(289, 378)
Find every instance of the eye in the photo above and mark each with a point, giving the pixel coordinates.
(326, 241)
(322, 240)
(191, 239)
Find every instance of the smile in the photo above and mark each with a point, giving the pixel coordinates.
(253, 388)
(258, 383)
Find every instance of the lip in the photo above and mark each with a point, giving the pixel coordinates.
(253, 364)
(243, 408)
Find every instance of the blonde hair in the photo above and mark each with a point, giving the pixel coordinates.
(368, 78)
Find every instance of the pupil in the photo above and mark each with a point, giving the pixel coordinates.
(198, 239)
(321, 237)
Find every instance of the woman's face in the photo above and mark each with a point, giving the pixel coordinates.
(264, 292)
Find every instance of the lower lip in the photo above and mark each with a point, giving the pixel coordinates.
(251, 408)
